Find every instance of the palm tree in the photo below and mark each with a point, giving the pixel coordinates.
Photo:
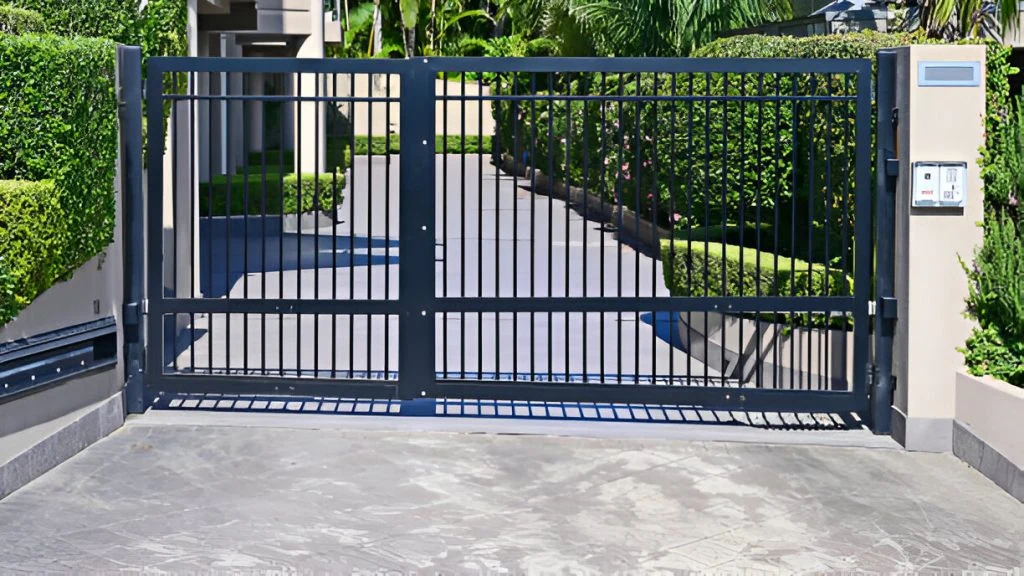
(637, 27)
(954, 19)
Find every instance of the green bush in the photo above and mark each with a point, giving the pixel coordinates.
(747, 272)
(996, 301)
(246, 194)
(112, 19)
(33, 234)
(59, 122)
(20, 21)
(696, 269)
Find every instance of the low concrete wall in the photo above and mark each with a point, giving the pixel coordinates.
(988, 431)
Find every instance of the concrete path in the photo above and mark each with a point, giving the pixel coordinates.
(224, 499)
(493, 238)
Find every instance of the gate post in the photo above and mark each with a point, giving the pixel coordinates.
(416, 198)
(129, 59)
(886, 170)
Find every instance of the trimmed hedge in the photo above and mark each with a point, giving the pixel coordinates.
(33, 231)
(323, 195)
(20, 21)
(379, 145)
(747, 272)
(59, 123)
(112, 19)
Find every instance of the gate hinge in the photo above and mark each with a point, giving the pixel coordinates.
(888, 307)
(892, 167)
(132, 312)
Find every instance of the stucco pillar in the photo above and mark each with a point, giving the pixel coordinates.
(310, 127)
(254, 115)
(940, 119)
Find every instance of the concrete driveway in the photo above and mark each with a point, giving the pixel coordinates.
(494, 237)
(213, 493)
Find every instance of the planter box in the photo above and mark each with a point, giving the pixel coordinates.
(988, 430)
(801, 358)
(308, 221)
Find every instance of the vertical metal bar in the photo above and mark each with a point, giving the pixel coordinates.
(777, 176)
(743, 201)
(370, 199)
(637, 194)
(654, 230)
(209, 227)
(317, 104)
(497, 224)
(568, 207)
(823, 346)
(707, 202)
(723, 216)
(604, 196)
(674, 90)
(244, 144)
(462, 214)
(885, 258)
(533, 221)
(263, 234)
(862, 235)
(586, 215)
(173, 129)
(342, 161)
(134, 230)
(551, 215)
(759, 361)
(792, 247)
(229, 175)
(480, 227)
(352, 227)
(193, 202)
(387, 222)
(690, 156)
(444, 223)
(416, 232)
(154, 222)
(298, 219)
(515, 111)
(620, 129)
(280, 243)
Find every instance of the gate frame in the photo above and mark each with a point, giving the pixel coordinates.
(416, 308)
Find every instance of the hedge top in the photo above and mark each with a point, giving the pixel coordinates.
(15, 20)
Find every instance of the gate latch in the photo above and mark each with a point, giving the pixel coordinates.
(132, 314)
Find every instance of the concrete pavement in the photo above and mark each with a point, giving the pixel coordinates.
(217, 497)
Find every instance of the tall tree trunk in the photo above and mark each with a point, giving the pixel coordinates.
(410, 42)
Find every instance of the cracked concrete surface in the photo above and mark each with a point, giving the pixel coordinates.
(218, 498)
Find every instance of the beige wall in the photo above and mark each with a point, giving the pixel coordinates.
(935, 124)
(994, 412)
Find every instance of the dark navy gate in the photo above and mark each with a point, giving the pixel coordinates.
(500, 229)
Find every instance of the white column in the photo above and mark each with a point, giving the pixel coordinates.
(255, 112)
(310, 126)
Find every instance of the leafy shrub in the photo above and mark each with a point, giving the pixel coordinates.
(996, 301)
(112, 19)
(747, 272)
(246, 194)
(696, 269)
(33, 234)
(20, 21)
(59, 122)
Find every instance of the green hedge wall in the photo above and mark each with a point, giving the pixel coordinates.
(33, 232)
(112, 19)
(61, 126)
(20, 21)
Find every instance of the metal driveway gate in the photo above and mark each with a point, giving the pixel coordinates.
(503, 229)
